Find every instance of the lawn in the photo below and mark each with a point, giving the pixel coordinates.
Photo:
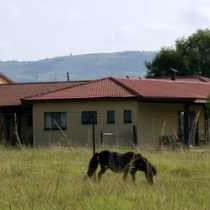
(53, 178)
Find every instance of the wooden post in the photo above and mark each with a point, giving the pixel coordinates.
(186, 124)
(65, 137)
(135, 136)
(19, 144)
(194, 129)
(93, 138)
(1, 128)
(93, 133)
(101, 137)
(206, 124)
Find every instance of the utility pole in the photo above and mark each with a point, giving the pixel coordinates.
(68, 78)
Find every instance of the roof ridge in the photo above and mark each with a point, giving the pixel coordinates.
(129, 89)
(82, 84)
(52, 91)
(46, 82)
(64, 88)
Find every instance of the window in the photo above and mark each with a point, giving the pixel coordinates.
(110, 117)
(55, 120)
(127, 116)
(89, 117)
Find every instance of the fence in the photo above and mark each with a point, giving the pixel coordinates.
(83, 128)
(68, 128)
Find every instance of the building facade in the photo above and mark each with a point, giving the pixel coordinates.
(122, 116)
(113, 111)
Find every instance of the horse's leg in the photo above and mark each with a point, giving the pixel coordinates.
(149, 173)
(149, 177)
(133, 174)
(125, 174)
(101, 172)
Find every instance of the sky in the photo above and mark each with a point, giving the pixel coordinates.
(38, 29)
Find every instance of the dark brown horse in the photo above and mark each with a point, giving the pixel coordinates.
(129, 162)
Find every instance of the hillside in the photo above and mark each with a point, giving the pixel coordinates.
(85, 66)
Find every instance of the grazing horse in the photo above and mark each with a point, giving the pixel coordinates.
(129, 162)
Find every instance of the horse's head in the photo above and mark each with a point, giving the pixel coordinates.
(150, 172)
(144, 165)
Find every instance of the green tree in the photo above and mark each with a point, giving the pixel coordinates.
(166, 59)
(190, 56)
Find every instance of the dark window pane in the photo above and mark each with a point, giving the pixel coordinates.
(55, 120)
(85, 117)
(89, 117)
(47, 120)
(127, 116)
(110, 117)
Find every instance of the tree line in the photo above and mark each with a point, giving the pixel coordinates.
(190, 56)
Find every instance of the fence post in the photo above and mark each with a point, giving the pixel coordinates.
(101, 137)
(19, 143)
(93, 138)
(93, 133)
(134, 136)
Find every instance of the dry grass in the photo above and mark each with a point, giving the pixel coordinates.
(52, 178)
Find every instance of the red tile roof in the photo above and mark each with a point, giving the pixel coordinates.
(141, 89)
(151, 88)
(103, 88)
(132, 88)
(195, 78)
(11, 94)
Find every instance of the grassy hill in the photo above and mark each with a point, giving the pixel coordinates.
(86, 66)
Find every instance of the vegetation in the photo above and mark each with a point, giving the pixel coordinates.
(54, 179)
(190, 56)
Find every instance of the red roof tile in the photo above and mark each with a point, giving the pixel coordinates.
(127, 88)
(11, 94)
(195, 78)
(157, 88)
(103, 88)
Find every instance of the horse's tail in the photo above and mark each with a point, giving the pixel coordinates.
(93, 164)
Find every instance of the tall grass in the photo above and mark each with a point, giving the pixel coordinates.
(47, 179)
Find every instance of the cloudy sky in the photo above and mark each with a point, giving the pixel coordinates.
(35, 29)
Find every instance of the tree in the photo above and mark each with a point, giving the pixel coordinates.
(166, 59)
(191, 56)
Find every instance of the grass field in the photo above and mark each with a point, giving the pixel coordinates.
(47, 179)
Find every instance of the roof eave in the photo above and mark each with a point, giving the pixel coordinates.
(142, 99)
(26, 100)
(173, 99)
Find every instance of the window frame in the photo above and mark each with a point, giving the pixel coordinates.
(127, 121)
(88, 121)
(52, 115)
(109, 119)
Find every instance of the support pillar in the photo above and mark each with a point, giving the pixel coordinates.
(186, 124)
